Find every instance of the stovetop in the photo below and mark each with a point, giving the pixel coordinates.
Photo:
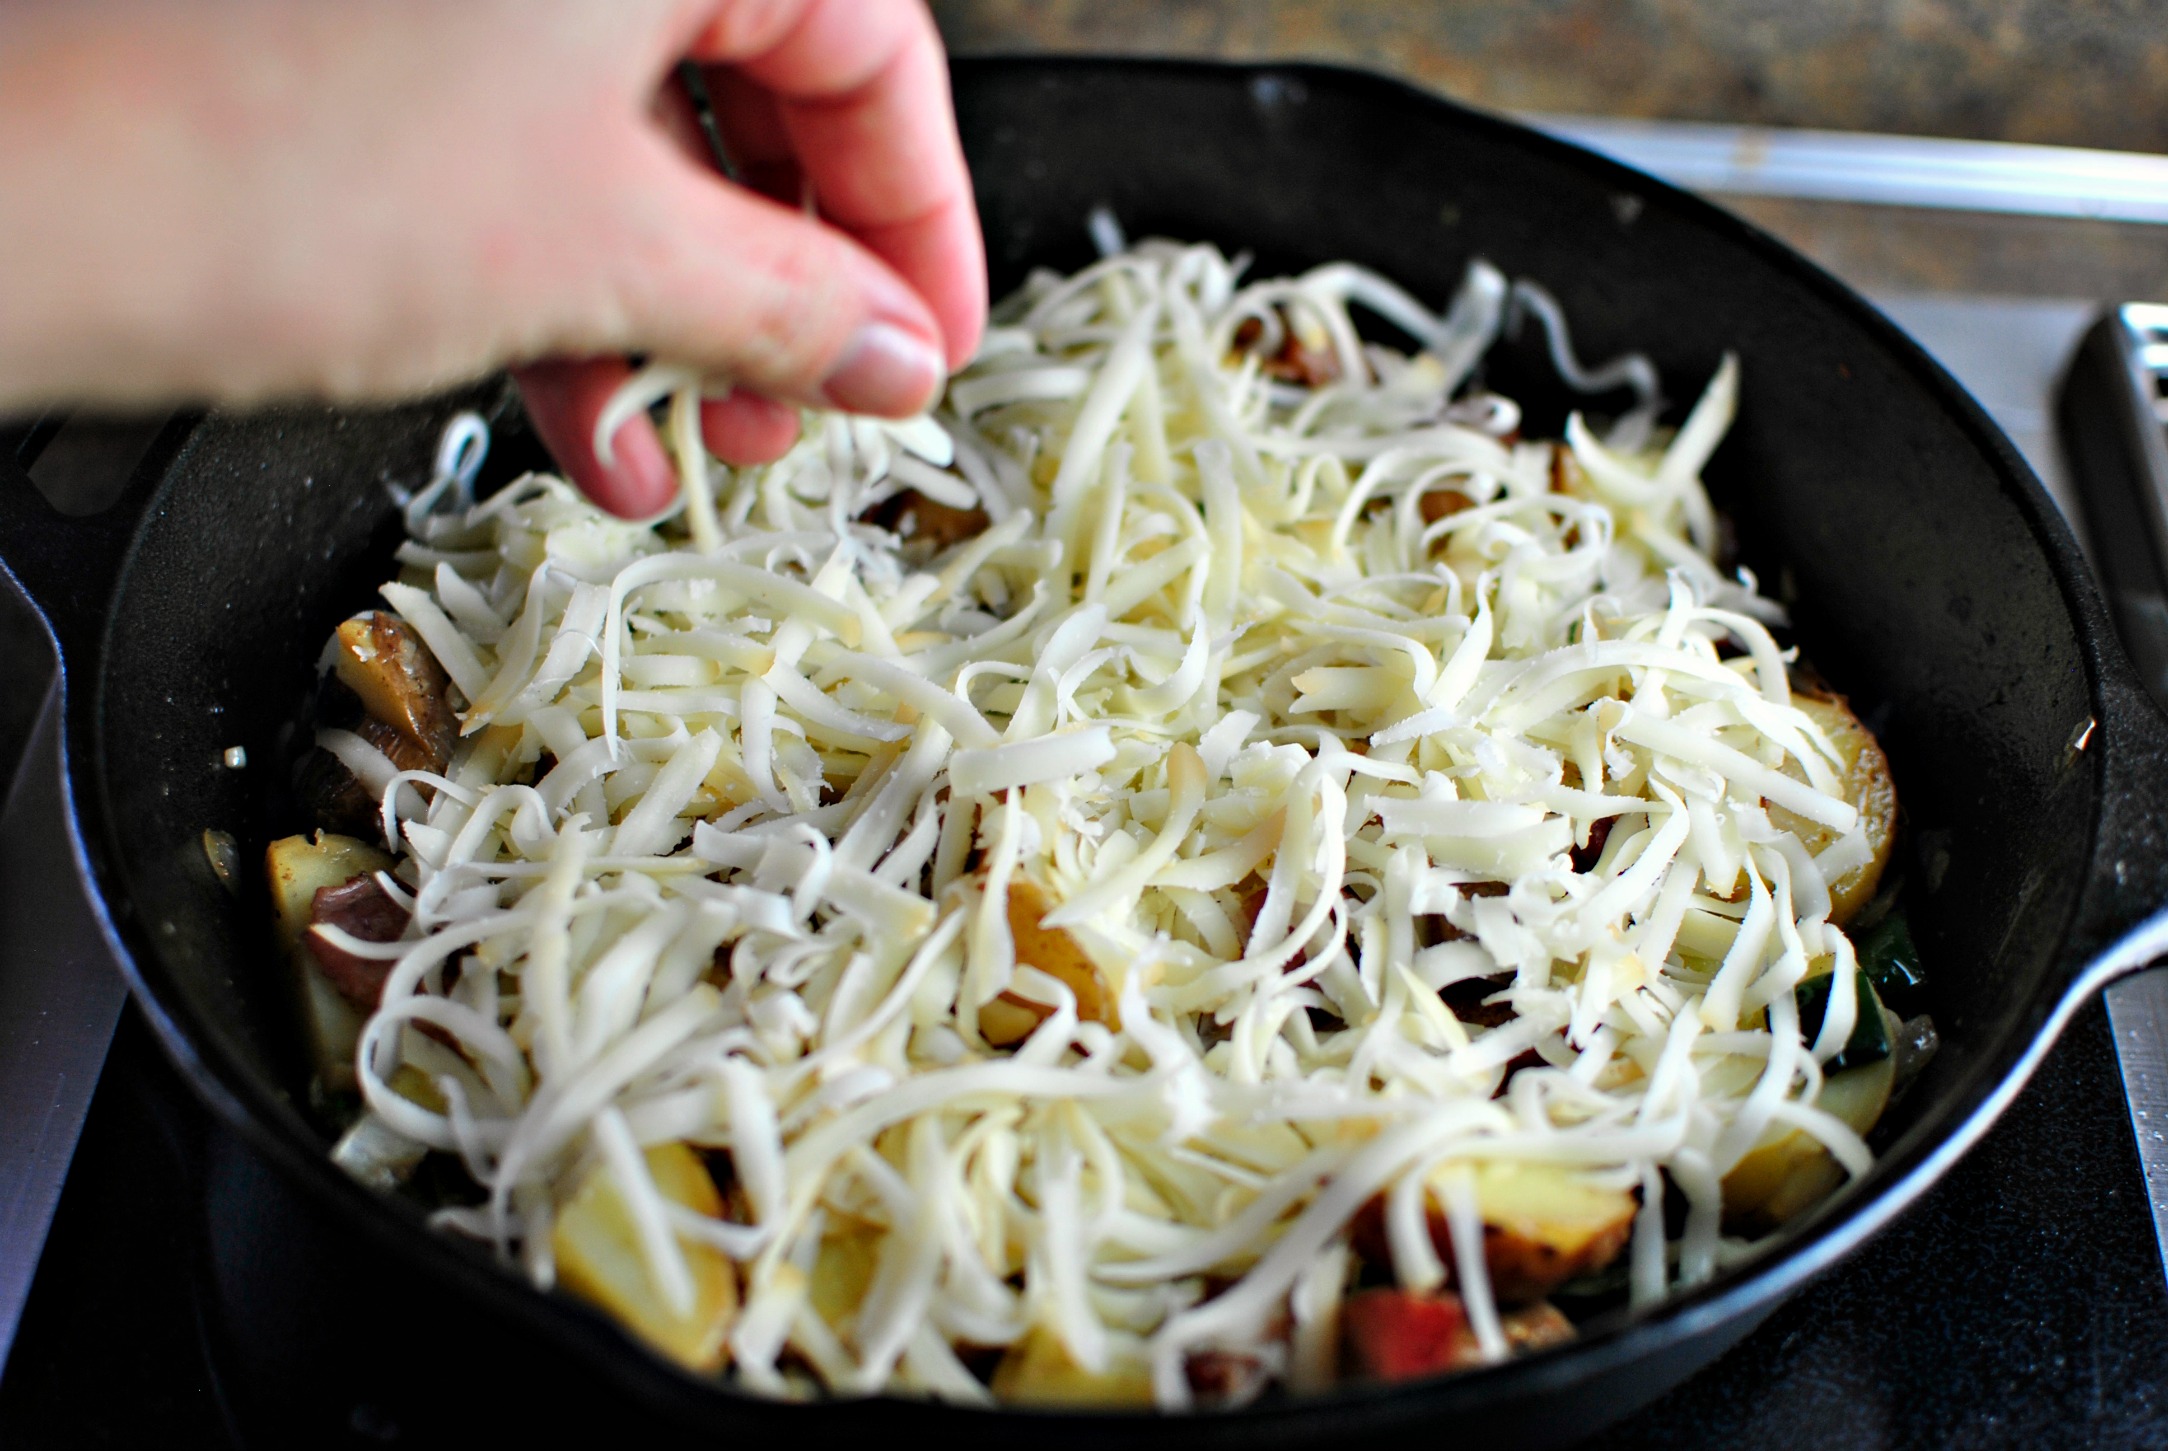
(2021, 1302)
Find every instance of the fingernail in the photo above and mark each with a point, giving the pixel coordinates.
(885, 370)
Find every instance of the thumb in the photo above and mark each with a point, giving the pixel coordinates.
(769, 298)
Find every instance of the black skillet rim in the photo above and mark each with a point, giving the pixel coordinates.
(1899, 1176)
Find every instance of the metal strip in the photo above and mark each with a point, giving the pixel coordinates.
(2138, 1014)
(59, 1001)
(1910, 171)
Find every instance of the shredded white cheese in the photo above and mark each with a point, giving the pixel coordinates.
(1245, 679)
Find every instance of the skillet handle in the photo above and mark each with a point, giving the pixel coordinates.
(70, 503)
(2127, 888)
(2107, 414)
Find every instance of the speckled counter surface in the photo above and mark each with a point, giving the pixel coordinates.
(2064, 72)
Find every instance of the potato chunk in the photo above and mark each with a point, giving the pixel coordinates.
(1038, 1371)
(360, 908)
(398, 683)
(599, 1260)
(1543, 1224)
(1056, 952)
(1867, 785)
(1789, 1171)
(299, 868)
(843, 1271)
(926, 527)
(1398, 1335)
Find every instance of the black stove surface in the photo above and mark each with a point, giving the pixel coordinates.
(2020, 1303)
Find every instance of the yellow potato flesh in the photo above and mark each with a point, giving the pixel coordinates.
(1866, 784)
(298, 868)
(1055, 952)
(842, 1272)
(1544, 1224)
(1038, 1371)
(599, 1260)
(1789, 1171)
(397, 680)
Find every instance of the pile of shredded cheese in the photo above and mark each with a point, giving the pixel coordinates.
(725, 854)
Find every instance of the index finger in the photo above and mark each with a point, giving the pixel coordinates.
(862, 90)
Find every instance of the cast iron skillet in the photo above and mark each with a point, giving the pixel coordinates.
(1933, 581)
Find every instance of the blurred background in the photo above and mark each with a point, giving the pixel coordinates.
(2082, 73)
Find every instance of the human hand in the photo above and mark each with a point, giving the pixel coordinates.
(243, 200)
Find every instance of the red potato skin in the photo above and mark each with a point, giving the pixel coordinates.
(361, 909)
(1393, 1335)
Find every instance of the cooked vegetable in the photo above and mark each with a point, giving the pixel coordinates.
(1011, 1017)
(299, 868)
(843, 1271)
(363, 910)
(1790, 1170)
(1392, 1335)
(1040, 1371)
(603, 1245)
(1542, 1225)
(1888, 955)
(1077, 850)
(1396, 1335)
(1866, 784)
(1869, 1040)
(399, 684)
(926, 528)
(386, 709)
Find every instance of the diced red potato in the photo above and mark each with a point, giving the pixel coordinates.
(1599, 836)
(360, 908)
(1788, 1171)
(600, 1259)
(337, 799)
(1468, 1000)
(1225, 1377)
(406, 716)
(1567, 476)
(1395, 1335)
(1306, 354)
(1039, 1371)
(298, 868)
(1439, 504)
(1535, 1327)
(400, 684)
